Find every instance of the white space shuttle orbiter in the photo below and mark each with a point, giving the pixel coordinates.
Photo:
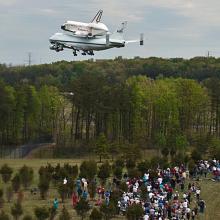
(92, 29)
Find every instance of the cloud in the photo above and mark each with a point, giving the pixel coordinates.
(7, 2)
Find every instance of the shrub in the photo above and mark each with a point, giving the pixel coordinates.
(26, 176)
(130, 163)
(82, 207)
(134, 173)
(43, 185)
(143, 167)
(27, 217)
(108, 211)
(16, 210)
(64, 214)
(118, 172)
(6, 173)
(41, 213)
(196, 155)
(53, 212)
(95, 215)
(63, 191)
(92, 189)
(115, 197)
(16, 183)
(104, 172)
(119, 163)
(4, 216)
(134, 212)
(88, 169)
(9, 193)
(123, 187)
(1, 198)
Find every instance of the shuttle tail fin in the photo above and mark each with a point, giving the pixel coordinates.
(98, 17)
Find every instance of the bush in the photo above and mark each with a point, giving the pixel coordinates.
(130, 163)
(16, 210)
(109, 211)
(82, 207)
(92, 189)
(9, 193)
(134, 212)
(115, 197)
(104, 172)
(53, 212)
(71, 170)
(43, 186)
(123, 187)
(27, 217)
(119, 163)
(196, 155)
(63, 191)
(118, 172)
(64, 214)
(95, 215)
(134, 173)
(16, 183)
(4, 216)
(41, 213)
(1, 198)
(143, 167)
(88, 169)
(6, 173)
(26, 176)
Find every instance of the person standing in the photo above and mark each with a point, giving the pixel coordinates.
(55, 204)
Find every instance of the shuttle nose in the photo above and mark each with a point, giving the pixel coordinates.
(63, 27)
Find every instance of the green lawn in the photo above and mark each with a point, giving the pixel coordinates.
(210, 190)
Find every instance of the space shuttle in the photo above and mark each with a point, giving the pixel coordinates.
(90, 30)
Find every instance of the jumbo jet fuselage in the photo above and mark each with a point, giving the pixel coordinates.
(85, 44)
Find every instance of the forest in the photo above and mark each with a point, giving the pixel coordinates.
(151, 103)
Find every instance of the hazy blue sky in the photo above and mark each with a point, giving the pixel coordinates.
(173, 28)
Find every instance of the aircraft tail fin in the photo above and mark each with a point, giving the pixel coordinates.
(119, 33)
(98, 17)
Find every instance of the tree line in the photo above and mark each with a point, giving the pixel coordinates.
(167, 104)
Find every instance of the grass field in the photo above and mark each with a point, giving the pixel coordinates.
(210, 190)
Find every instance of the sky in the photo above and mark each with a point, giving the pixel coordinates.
(172, 28)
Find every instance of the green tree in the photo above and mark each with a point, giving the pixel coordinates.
(9, 193)
(27, 217)
(88, 169)
(95, 215)
(82, 207)
(101, 147)
(64, 214)
(104, 172)
(26, 176)
(41, 213)
(108, 211)
(1, 198)
(6, 173)
(16, 182)
(4, 216)
(16, 210)
(43, 185)
(134, 212)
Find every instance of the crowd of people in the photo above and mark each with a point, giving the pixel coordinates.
(167, 194)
